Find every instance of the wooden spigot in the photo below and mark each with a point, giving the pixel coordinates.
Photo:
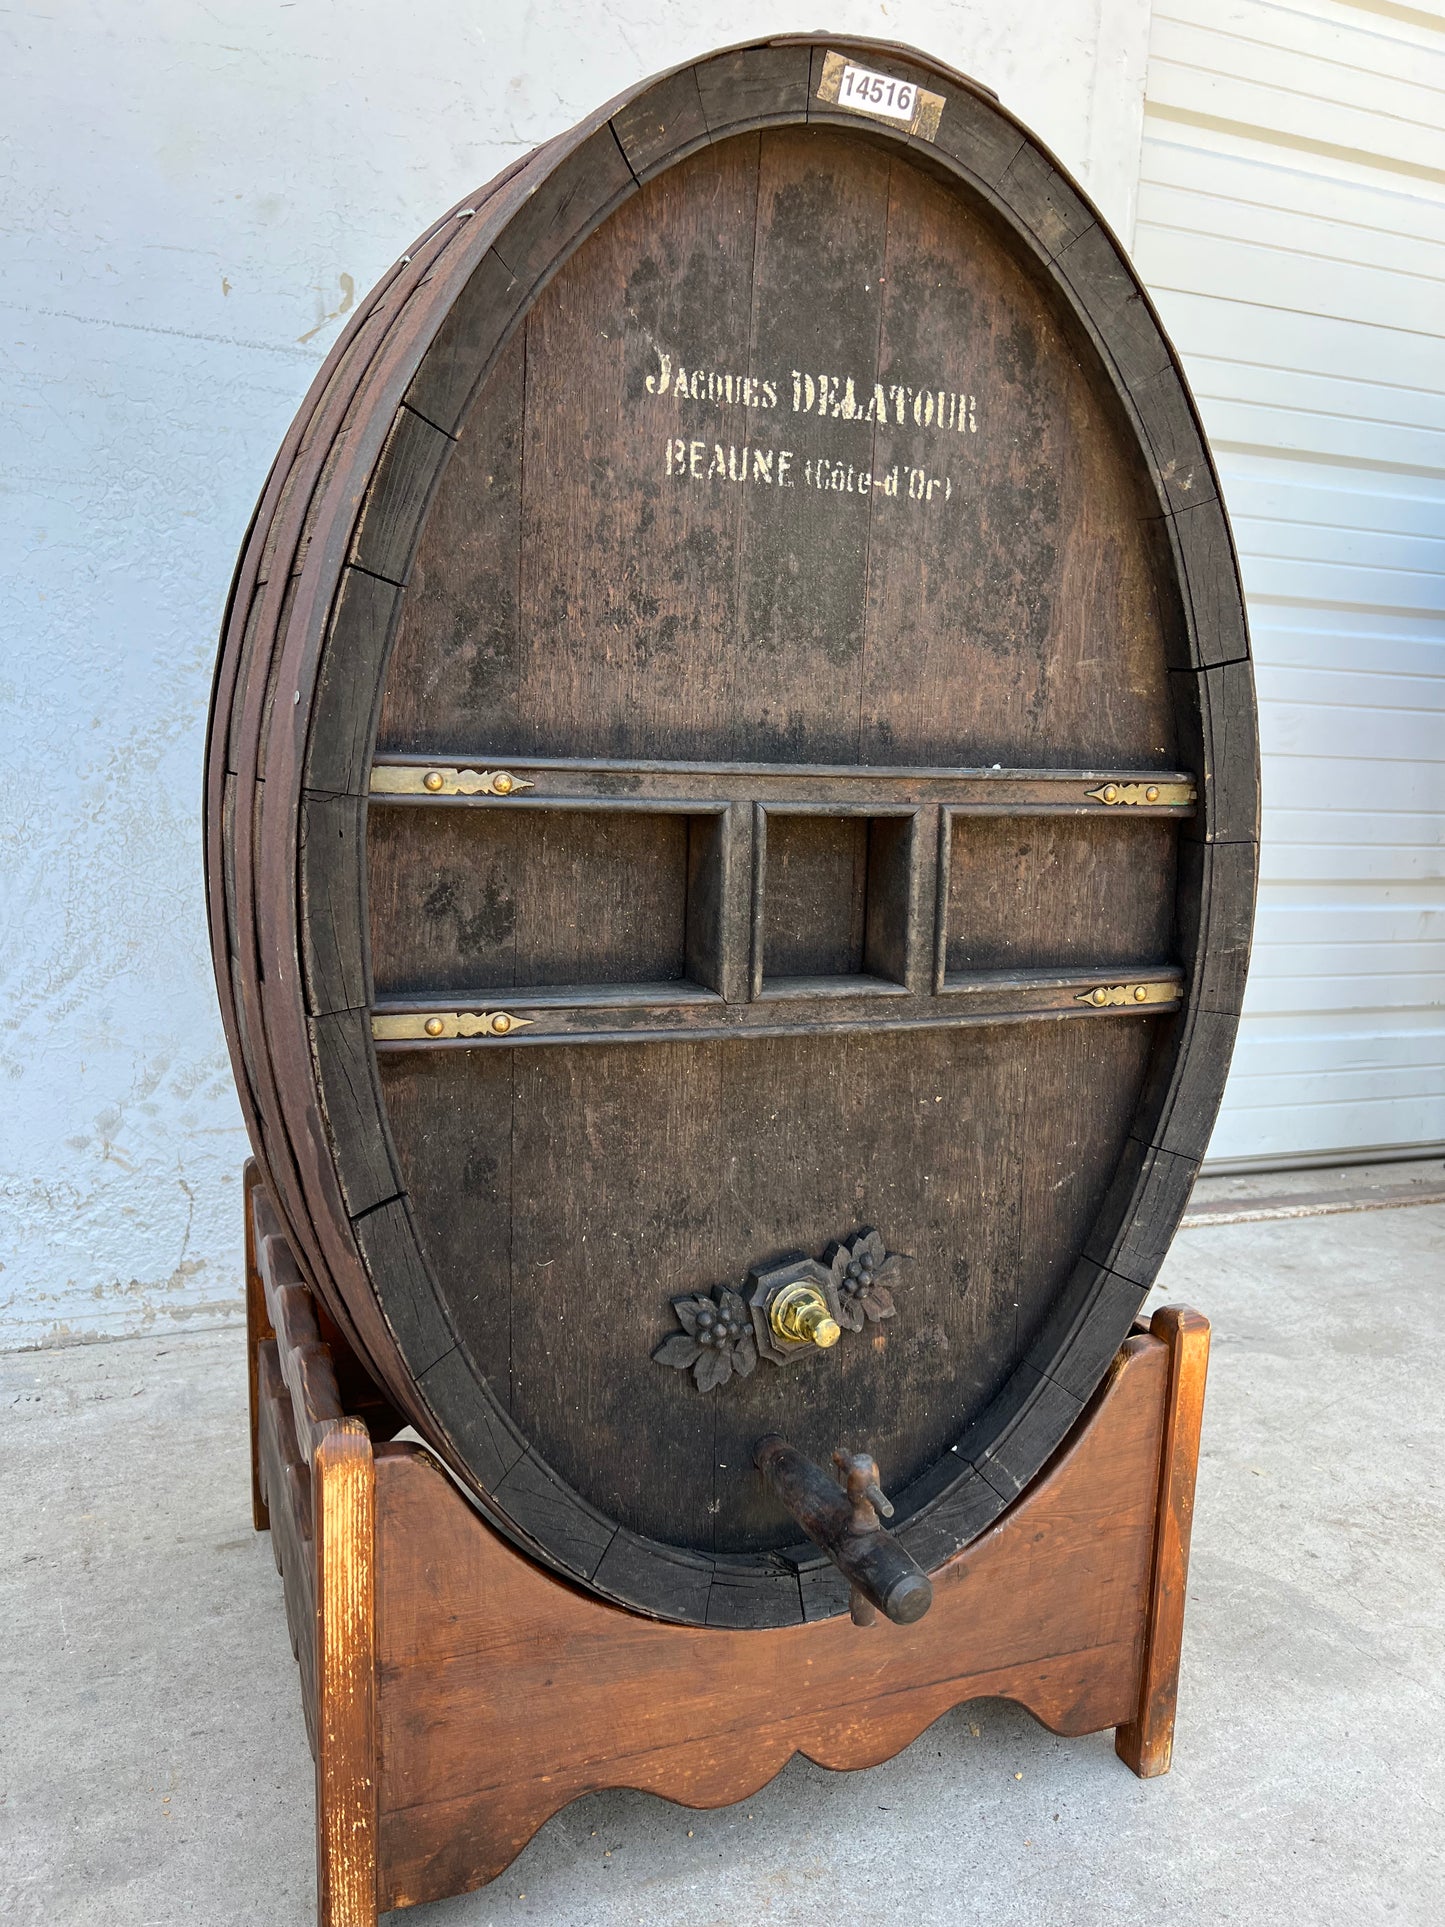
(882, 1575)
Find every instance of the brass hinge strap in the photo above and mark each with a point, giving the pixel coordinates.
(1155, 794)
(1112, 996)
(436, 1024)
(392, 779)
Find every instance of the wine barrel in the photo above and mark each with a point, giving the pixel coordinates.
(732, 820)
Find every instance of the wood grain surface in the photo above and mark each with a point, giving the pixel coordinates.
(761, 483)
(1045, 1609)
(456, 1695)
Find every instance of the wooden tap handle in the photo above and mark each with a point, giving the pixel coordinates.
(845, 1525)
(859, 1473)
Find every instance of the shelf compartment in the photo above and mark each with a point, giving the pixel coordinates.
(831, 896)
(1052, 893)
(482, 902)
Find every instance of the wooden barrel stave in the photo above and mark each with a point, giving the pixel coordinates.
(243, 678)
(277, 543)
(376, 401)
(423, 301)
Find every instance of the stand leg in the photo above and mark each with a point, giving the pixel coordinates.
(1146, 1744)
(258, 1330)
(344, 1516)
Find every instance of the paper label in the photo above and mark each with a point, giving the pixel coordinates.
(861, 90)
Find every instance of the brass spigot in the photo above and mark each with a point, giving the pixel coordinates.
(799, 1315)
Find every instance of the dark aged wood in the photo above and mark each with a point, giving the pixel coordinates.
(827, 800)
(258, 1332)
(457, 1695)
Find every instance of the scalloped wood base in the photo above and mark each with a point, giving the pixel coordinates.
(457, 1695)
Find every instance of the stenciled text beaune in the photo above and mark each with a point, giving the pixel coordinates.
(798, 394)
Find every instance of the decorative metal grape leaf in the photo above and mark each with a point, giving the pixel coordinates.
(863, 1271)
(716, 1339)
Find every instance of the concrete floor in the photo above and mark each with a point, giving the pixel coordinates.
(153, 1764)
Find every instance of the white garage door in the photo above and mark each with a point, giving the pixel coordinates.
(1292, 229)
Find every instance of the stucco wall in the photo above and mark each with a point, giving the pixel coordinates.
(194, 197)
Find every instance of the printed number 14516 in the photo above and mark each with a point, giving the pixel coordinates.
(877, 93)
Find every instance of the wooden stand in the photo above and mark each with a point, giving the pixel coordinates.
(457, 1695)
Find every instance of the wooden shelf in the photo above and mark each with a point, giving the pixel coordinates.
(791, 989)
(619, 1013)
(561, 782)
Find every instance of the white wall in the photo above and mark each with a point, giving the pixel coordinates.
(194, 195)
